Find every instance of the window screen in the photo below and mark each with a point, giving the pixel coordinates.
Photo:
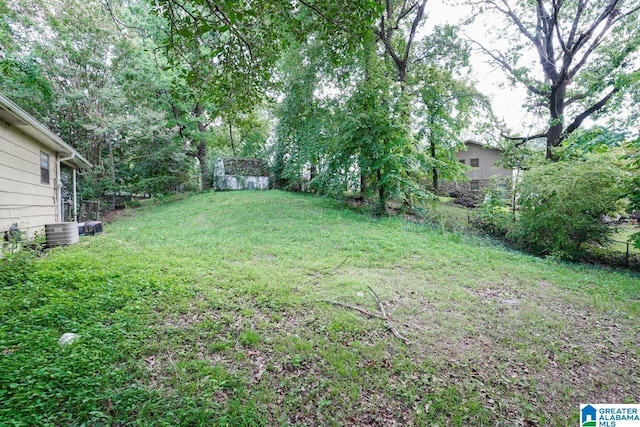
(44, 168)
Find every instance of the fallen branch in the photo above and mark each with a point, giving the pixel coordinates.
(358, 309)
(325, 272)
(339, 265)
(393, 330)
(384, 315)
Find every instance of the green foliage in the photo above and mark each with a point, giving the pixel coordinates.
(519, 157)
(446, 103)
(633, 189)
(24, 82)
(16, 268)
(374, 131)
(361, 138)
(304, 129)
(597, 139)
(562, 204)
(493, 216)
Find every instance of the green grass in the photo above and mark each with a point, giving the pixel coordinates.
(214, 311)
(620, 238)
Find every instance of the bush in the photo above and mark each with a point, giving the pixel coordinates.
(611, 258)
(562, 204)
(493, 215)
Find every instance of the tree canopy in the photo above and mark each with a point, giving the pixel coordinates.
(357, 96)
(587, 57)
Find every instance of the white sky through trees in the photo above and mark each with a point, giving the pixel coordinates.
(491, 80)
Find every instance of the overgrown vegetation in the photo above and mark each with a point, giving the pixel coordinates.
(562, 206)
(209, 311)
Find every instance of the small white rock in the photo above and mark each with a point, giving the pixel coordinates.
(67, 338)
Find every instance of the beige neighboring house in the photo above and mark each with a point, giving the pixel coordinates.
(31, 159)
(483, 163)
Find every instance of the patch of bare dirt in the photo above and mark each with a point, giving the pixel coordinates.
(159, 367)
(545, 346)
(111, 216)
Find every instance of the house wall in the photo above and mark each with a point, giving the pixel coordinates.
(487, 162)
(464, 188)
(23, 198)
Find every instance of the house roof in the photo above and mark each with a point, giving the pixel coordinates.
(479, 144)
(16, 116)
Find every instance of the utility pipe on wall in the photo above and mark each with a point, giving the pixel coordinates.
(59, 184)
(75, 196)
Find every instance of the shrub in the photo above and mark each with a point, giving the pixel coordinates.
(493, 215)
(562, 204)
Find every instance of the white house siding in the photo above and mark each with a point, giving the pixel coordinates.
(23, 199)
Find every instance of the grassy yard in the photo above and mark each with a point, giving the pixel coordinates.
(622, 236)
(215, 310)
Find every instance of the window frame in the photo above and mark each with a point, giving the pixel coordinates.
(476, 161)
(45, 168)
(474, 183)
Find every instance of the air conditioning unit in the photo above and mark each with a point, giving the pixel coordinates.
(62, 233)
(89, 228)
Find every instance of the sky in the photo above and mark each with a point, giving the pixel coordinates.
(506, 100)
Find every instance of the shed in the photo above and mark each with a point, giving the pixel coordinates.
(31, 159)
(238, 173)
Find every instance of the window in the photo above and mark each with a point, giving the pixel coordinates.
(474, 185)
(462, 161)
(474, 163)
(44, 168)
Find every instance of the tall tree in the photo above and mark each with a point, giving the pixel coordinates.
(228, 49)
(397, 29)
(223, 54)
(587, 54)
(446, 102)
(395, 93)
(94, 79)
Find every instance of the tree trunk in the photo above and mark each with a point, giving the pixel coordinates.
(201, 154)
(382, 193)
(434, 169)
(233, 145)
(556, 125)
(363, 185)
(201, 151)
(113, 175)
